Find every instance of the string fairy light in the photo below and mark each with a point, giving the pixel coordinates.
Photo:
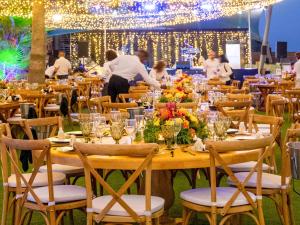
(167, 48)
(128, 14)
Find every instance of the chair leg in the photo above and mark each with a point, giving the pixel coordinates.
(156, 221)
(71, 217)
(5, 206)
(260, 212)
(89, 219)
(187, 213)
(214, 219)
(285, 208)
(52, 217)
(291, 211)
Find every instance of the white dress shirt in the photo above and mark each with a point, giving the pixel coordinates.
(297, 70)
(107, 73)
(50, 71)
(128, 67)
(225, 72)
(159, 76)
(63, 66)
(212, 68)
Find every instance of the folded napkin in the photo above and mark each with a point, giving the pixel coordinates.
(198, 146)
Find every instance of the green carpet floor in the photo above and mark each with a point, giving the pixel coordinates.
(180, 185)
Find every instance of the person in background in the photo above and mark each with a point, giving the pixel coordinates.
(62, 66)
(49, 73)
(159, 71)
(124, 69)
(211, 66)
(225, 71)
(110, 55)
(297, 69)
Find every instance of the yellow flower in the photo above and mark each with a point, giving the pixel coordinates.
(157, 122)
(169, 96)
(170, 123)
(179, 120)
(193, 119)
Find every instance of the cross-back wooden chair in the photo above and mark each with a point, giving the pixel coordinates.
(140, 87)
(96, 85)
(83, 94)
(46, 128)
(131, 208)
(294, 104)
(228, 201)
(237, 111)
(239, 97)
(138, 91)
(108, 107)
(278, 187)
(97, 102)
(278, 107)
(51, 199)
(236, 83)
(239, 91)
(133, 96)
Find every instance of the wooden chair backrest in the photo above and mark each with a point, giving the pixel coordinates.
(145, 151)
(239, 97)
(239, 111)
(278, 107)
(140, 91)
(96, 84)
(140, 87)
(134, 96)
(108, 107)
(98, 103)
(215, 82)
(236, 83)
(9, 155)
(240, 91)
(83, 89)
(44, 127)
(216, 159)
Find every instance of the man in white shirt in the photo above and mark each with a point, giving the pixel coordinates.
(62, 66)
(297, 69)
(211, 66)
(124, 69)
(49, 72)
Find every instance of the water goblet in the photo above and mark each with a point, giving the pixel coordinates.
(168, 135)
(116, 116)
(220, 129)
(86, 128)
(177, 129)
(130, 127)
(116, 130)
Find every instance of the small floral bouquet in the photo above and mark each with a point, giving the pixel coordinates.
(192, 127)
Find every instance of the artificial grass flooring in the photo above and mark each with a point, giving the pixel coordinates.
(180, 185)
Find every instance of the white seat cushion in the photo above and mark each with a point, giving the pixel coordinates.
(268, 180)
(62, 169)
(246, 167)
(62, 193)
(40, 180)
(135, 202)
(264, 128)
(202, 196)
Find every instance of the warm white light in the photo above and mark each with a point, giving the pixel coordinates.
(57, 18)
(150, 7)
(207, 6)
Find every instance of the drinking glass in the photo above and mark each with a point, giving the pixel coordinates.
(86, 128)
(116, 130)
(148, 113)
(220, 129)
(101, 129)
(130, 127)
(116, 116)
(177, 129)
(168, 134)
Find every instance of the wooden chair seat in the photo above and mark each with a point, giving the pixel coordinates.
(269, 180)
(40, 180)
(62, 194)
(69, 170)
(135, 202)
(202, 196)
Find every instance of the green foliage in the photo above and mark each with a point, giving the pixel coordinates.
(151, 132)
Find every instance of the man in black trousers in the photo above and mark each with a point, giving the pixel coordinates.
(124, 69)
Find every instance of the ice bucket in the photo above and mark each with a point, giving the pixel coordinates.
(294, 149)
(135, 111)
(25, 109)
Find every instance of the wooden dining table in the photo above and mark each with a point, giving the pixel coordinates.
(8, 110)
(162, 164)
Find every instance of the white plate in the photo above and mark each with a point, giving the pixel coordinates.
(59, 140)
(78, 132)
(64, 149)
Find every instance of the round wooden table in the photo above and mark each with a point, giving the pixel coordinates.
(162, 164)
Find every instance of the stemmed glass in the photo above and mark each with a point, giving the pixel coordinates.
(140, 125)
(101, 128)
(130, 127)
(177, 129)
(116, 116)
(220, 129)
(86, 128)
(168, 134)
(116, 129)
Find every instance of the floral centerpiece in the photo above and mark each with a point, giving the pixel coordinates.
(181, 91)
(192, 127)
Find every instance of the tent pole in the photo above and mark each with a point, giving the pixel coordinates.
(264, 47)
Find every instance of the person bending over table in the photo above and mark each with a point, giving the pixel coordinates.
(124, 69)
(110, 55)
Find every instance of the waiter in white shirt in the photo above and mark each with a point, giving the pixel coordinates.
(62, 66)
(297, 69)
(211, 66)
(124, 69)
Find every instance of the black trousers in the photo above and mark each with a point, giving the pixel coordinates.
(117, 85)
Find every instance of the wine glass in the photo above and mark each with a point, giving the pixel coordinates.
(101, 128)
(116, 116)
(220, 129)
(140, 125)
(86, 128)
(177, 129)
(168, 134)
(130, 127)
(116, 130)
